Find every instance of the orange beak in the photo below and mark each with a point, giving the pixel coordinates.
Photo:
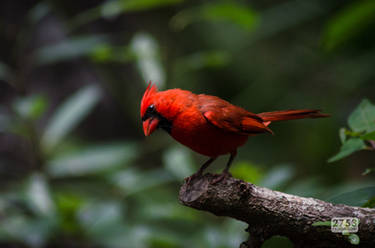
(150, 125)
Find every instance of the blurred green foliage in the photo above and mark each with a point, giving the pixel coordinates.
(350, 22)
(75, 168)
(362, 131)
(221, 11)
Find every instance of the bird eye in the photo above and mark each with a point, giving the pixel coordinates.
(150, 111)
(151, 108)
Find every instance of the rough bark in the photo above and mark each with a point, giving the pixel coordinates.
(271, 212)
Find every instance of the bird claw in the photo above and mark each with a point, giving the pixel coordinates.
(222, 176)
(192, 177)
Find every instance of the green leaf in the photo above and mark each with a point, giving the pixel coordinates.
(137, 5)
(350, 146)
(111, 9)
(30, 107)
(238, 14)
(68, 203)
(92, 160)
(106, 53)
(147, 53)
(322, 223)
(357, 197)
(39, 196)
(369, 136)
(349, 23)
(69, 115)
(342, 135)
(368, 171)
(102, 53)
(38, 12)
(69, 49)
(363, 117)
(178, 161)
(354, 239)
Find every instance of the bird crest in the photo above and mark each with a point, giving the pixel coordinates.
(147, 97)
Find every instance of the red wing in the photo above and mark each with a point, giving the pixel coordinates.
(231, 118)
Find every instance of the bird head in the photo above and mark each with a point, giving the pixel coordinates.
(149, 114)
(155, 107)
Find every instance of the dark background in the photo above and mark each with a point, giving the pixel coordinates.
(75, 167)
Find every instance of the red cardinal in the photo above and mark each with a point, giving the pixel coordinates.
(207, 124)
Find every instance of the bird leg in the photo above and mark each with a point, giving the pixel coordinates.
(226, 172)
(199, 173)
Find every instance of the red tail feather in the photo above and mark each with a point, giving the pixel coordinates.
(292, 114)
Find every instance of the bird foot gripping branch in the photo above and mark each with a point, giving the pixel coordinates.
(197, 176)
(207, 124)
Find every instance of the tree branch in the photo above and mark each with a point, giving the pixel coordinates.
(271, 212)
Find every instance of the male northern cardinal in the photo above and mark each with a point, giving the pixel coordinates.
(207, 124)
